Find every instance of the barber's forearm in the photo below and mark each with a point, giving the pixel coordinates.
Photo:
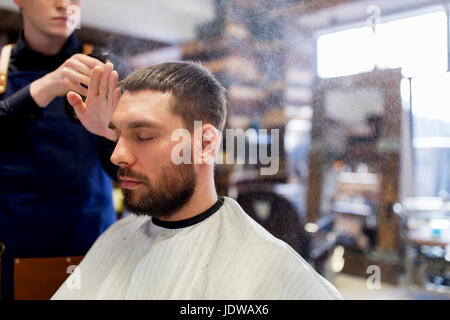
(20, 105)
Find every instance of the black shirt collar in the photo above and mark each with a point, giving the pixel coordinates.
(190, 221)
(24, 58)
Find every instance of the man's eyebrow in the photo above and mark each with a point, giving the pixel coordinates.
(143, 124)
(137, 124)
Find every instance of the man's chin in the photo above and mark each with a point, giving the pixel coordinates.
(135, 207)
(151, 208)
(60, 32)
(131, 197)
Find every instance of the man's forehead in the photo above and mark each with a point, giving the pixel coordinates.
(132, 118)
(144, 100)
(146, 93)
(144, 108)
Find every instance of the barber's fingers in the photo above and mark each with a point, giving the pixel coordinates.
(74, 81)
(94, 81)
(116, 97)
(104, 81)
(80, 67)
(90, 62)
(113, 84)
(81, 89)
(76, 101)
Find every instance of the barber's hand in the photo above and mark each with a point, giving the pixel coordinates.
(102, 98)
(68, 77)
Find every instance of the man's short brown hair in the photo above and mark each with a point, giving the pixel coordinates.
(198, 95)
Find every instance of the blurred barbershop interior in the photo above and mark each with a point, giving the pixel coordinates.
(346, 107)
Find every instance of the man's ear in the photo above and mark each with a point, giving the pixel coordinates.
(210, 143)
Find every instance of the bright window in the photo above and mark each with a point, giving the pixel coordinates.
(431, 134)
(345, 52)
(416, 44)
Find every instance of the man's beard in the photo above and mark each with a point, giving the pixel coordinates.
(164, 197)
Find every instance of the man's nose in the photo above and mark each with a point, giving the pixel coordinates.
(62, 5)
(121, 155)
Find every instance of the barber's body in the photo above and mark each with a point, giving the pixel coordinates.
(55, 176)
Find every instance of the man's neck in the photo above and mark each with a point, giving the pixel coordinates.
(43, 44)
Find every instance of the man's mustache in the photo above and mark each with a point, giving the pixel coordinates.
(127, 172)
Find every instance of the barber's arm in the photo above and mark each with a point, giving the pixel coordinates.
(24, 106)
(19, 104)
(17, 113)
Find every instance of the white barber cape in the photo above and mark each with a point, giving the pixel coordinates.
(221, 253)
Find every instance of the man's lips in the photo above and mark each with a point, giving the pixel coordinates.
(61, 19)
(126, 183)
